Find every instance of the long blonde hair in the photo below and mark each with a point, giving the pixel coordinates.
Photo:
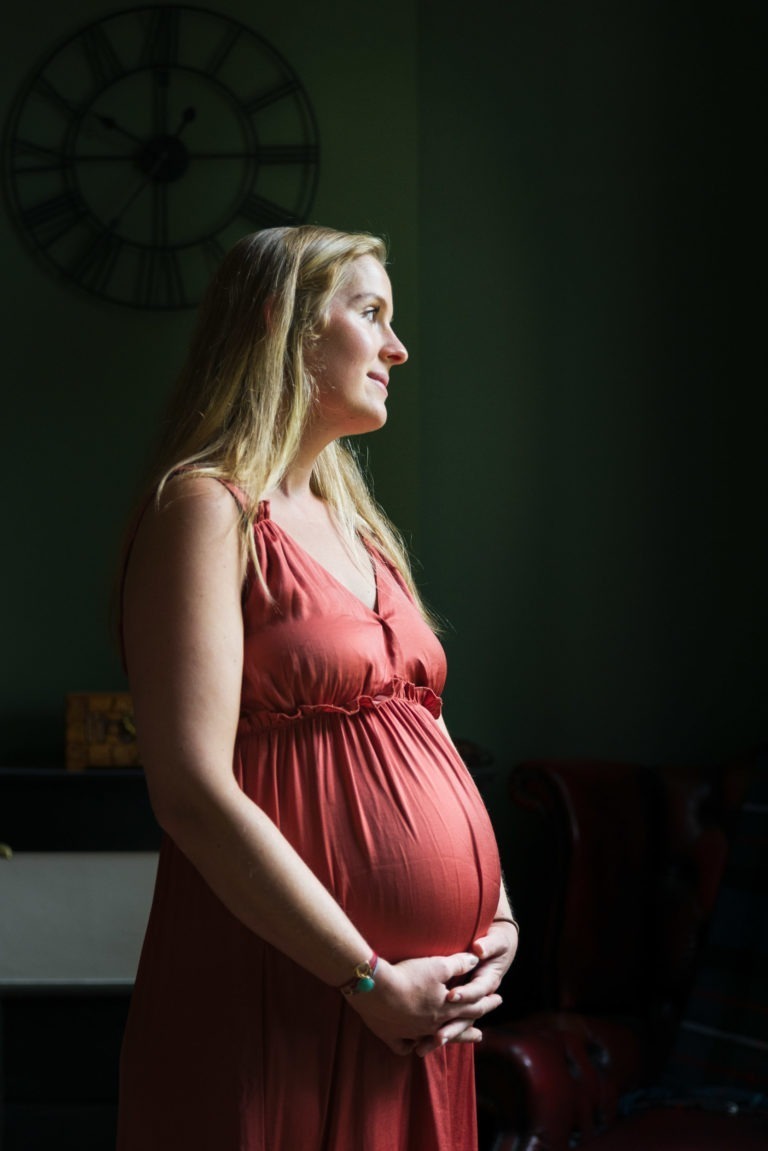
(244, 395)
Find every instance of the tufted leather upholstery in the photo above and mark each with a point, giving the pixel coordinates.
(621, 866)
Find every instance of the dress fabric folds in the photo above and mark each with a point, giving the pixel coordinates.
(230, 1046)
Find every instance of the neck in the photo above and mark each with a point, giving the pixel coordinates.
(296, 481)
(295, 484)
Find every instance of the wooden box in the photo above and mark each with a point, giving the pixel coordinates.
(100, 731)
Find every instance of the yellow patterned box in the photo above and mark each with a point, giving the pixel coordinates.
(100, 731)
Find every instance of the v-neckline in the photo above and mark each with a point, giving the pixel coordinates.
(265, 514)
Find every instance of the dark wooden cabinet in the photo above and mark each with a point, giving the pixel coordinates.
(74, 897)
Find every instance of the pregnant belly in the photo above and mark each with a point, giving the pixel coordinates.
(383, 810)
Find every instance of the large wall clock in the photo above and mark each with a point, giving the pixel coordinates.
(144, 145)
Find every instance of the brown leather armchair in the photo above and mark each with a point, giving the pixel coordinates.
(614, 872)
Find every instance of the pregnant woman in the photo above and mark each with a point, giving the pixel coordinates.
(329, 923)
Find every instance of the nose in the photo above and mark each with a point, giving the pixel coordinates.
(394, 350)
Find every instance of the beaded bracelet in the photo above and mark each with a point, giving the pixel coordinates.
(362, 981)
(507, 919)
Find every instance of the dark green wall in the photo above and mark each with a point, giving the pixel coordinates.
(85, 380)
(576, 448)
(593, 394)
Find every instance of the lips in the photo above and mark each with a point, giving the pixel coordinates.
(380, 378)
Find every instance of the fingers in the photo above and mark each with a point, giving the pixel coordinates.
(484, 948)
(501, 938)
(475, 1009)
(485, 982)
(450, 1032)
(432, 1043)
(496, 951)
(460, 964)
(490, 946)
(461, 1028)
(415, 1008)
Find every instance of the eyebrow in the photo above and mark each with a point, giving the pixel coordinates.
(368, 296)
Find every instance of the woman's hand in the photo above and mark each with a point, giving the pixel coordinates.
(495, 952)
(414, 1001)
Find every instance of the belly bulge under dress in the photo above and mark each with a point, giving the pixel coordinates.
(230, 1046)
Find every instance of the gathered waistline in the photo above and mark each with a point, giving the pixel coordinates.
(398, 690)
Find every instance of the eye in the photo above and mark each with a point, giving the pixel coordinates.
(371, 313)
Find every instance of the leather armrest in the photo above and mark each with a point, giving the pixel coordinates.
(556, 1078)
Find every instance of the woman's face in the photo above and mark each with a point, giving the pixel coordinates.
(355, 353)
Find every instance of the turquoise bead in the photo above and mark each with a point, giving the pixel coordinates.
(365, 984)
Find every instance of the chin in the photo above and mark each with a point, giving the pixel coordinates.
(363, 424)
(379, 420)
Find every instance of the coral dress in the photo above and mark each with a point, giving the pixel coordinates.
(230, 1046)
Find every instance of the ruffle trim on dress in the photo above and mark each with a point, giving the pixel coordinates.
(399, 689)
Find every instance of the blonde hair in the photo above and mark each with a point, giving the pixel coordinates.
(244, 395)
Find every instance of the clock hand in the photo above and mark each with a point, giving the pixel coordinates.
(137, 189)
(187, 116)
(161, 156)
(112, 125)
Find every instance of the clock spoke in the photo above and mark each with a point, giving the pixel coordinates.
(213, 252)
(43, 87)
(159, 282)
(271, 96)
(160, 53)
(222, 50)
(287, 154)
(160, 81)
(62, 163)
(160, 215)
(102, 157)
(270, 154)
(24, 152)
(161, 44)
(58, 165)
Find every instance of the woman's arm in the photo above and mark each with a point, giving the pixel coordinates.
(184, 649)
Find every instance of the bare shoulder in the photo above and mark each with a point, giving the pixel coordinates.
(198, 495)
(197, 504)
(196, 520)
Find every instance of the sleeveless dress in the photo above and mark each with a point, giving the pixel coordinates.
(229, 1045)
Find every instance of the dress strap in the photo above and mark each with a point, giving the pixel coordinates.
(238, 495)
